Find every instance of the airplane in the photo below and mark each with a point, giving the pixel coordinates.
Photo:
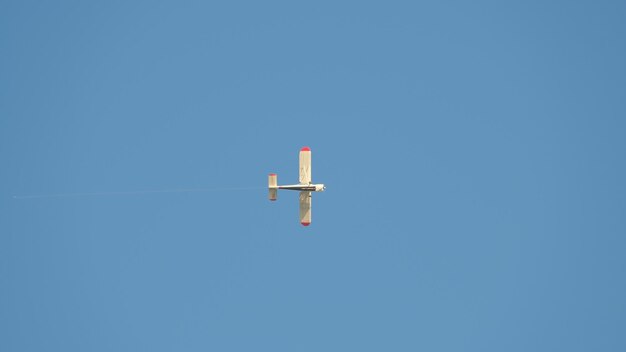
(305, 186)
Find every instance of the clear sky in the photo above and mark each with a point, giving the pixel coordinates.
(473, 154)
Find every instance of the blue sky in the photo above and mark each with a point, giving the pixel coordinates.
(473, 154)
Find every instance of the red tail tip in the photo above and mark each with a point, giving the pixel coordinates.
(306, 223)
(305, 149)
(272, 174)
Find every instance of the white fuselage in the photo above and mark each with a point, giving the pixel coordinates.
(308, 188)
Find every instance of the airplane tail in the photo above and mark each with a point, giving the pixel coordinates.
(273, 186)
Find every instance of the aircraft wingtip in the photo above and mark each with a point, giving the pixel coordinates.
(305, 223)
(305, 149)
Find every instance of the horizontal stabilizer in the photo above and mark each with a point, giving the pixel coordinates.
(272, 184)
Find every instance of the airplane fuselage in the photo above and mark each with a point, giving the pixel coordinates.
(308, 188)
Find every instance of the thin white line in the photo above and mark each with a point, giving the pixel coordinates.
(90, 194)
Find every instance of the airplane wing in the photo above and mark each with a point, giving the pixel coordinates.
(305, 208)
(305, 166)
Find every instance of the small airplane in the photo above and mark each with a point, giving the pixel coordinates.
(305, 186)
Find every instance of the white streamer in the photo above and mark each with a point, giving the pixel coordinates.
(91, 194)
